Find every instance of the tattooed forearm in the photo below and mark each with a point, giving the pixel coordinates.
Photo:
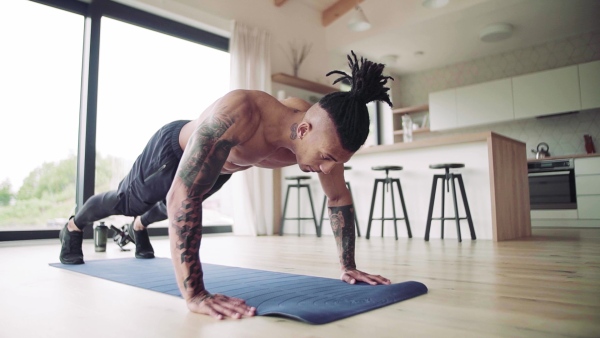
(200, 167)
(342, 224)
(189, 235)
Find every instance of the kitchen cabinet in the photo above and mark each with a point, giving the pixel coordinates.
(484, 103)
(587, 185)
(587, 207)
(587, 166)
(548, 92)
(589, 81)
(442, 110)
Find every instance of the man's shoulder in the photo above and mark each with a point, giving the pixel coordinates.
(266, 101)
(296, 103)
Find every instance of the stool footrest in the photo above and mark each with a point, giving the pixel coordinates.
(388, 219)
(301, 218)
(446, 218)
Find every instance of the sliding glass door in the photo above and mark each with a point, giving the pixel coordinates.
(148, 79)
(69, 130)
(40, 78)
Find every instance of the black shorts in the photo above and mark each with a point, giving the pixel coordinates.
(153, 172)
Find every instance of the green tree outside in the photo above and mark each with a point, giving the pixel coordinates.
(48, 192)
(5, 194)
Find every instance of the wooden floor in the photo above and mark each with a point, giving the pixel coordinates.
(545, 286)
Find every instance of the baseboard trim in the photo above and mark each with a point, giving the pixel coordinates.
(25, 235)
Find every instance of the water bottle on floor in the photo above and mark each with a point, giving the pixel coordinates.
(100, 237)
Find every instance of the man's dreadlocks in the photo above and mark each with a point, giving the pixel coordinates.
(348, 110)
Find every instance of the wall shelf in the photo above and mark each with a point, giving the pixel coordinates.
(419, 114)
(415, 131)
(412, 109)
(303, 84)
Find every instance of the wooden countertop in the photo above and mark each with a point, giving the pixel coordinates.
(436, 142)
(562, 157)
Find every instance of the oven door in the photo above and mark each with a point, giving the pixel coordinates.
(552, 190)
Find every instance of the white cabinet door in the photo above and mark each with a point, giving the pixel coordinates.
(587, 185)
(485, 103)
(587, 207)
(442, 110)
(587, 166)
(589, 80)
(548, 92)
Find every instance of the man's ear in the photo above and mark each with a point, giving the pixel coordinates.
(303, 128)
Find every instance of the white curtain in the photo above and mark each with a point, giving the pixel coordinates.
(252, 195)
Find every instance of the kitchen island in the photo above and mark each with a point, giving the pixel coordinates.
(495, 177)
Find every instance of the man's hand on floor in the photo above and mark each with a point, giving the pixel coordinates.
(220, 306)
(353, 276)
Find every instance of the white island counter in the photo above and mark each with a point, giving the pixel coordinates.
(495, 177)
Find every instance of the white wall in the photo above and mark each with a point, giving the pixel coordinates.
(293, 21)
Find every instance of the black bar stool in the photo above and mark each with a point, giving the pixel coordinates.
(325, 205)
(298, 186)
(385, 182)
(448, 178)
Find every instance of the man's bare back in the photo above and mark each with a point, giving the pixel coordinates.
(262, 149)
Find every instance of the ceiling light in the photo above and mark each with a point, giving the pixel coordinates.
(359, 22)
(496, 32)
(435, 3)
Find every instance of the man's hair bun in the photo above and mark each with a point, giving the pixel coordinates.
(348, 110)
(367, 80)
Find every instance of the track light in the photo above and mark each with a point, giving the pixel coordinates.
(359, 21)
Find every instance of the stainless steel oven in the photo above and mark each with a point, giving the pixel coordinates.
(552, 184)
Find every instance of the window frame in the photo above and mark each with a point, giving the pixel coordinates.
(86, 154)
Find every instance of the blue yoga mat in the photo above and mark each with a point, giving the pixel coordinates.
(314, 300)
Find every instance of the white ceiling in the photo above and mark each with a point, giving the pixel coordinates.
(451, 34)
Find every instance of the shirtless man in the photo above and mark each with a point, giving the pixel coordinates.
(187, 161)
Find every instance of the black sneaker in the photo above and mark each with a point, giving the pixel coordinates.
(70, 250)
(143, 248)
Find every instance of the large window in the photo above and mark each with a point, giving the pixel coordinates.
(40, 78)
(149, 71)
(148, 79)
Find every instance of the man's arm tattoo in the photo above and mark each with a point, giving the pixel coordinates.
(189, 235)
(205, 143)
(342, 224)
(199, 170)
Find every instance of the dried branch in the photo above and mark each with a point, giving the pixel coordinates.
(298, 54)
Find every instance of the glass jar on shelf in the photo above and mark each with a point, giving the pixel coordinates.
(407, 128)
